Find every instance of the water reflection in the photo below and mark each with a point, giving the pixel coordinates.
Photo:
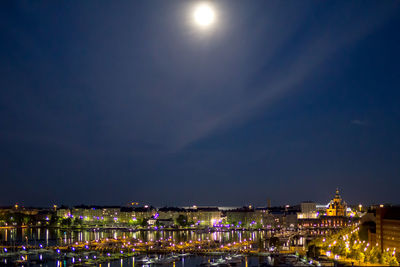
(56, 236)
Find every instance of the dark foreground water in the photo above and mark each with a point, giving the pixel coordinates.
(186, 261)
(48, 237)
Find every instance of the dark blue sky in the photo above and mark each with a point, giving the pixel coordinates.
(105, 102)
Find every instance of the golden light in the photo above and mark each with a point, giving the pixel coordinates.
(204, 15)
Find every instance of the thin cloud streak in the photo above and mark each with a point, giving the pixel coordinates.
(307, 63)
(359, 122)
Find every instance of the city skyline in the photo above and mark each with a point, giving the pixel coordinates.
(267, 204)
(232, 104)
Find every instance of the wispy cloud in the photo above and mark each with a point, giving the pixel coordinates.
(360, 122)
(327, 39)
(173, 91)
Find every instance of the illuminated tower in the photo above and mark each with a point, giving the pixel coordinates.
(337, 207)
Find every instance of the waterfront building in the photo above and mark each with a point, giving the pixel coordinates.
(207, 216)
(100, 215)
(244, 216)
(133, 214)
(87, 213)
(277, 217)
(63, 212)
(270, 218)
(170, 213)
(19, 209)
(19, 215)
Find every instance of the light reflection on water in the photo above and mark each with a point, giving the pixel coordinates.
(56, 236)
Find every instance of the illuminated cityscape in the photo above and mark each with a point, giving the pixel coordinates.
(321, 234)
(199, 133)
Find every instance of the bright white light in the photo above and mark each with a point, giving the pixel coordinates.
(204, 15)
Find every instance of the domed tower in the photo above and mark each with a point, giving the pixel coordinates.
(336, 207)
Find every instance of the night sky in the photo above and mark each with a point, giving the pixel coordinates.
(107, 102)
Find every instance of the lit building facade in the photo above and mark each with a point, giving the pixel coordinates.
(327, 222)
(97, 215)
(336, 207)
(308, 210)
(207, 216)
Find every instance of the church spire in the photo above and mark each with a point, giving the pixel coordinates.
(337, 207)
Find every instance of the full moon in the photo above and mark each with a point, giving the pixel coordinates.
(204, 15)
